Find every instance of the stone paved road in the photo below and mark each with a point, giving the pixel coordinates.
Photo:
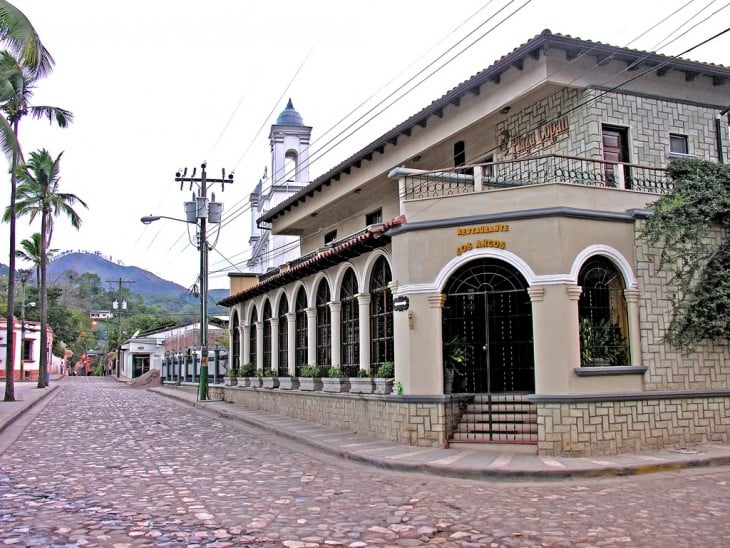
(106, 465)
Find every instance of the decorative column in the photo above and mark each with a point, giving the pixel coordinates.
(311, 335)
(291, 341)
(242, 346)
(363, 304)
(632, 304)
(335, 331)
(259, 346)
(245, 344)
(274, 324)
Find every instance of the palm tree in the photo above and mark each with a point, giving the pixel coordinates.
(26, 62)
(39, 195)
(31, 253)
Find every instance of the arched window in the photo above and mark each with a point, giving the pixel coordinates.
(267, 336)
(301, 329)
(235, 362)
(381, 315)
(290, 165)
(350, 333)
(602, 314)
(283, 337)
(252, 337)
(324, 333)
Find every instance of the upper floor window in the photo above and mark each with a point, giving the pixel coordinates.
(678, 144)
(374, 218)
(459, 153)
(330, 237)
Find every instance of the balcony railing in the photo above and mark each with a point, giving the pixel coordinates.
(537, 170)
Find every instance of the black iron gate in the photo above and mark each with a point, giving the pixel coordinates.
(487, 330)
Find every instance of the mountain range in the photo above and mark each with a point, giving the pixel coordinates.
(142, 281)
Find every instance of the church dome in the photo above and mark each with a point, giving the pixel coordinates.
(289, 116)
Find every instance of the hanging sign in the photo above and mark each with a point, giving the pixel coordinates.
(400, 303)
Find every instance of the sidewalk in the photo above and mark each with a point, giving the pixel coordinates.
(26, 396)
(463, 463)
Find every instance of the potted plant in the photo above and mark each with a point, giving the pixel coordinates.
(310, 377)
(363, 383)
(231, 377)
(270, 379)
(245, 374)
(287, 382)
(454, 362)
(335, 381)
(384, 378)
(601, 344)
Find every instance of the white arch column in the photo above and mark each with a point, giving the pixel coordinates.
(363, 304)
(632, 305)
(274, 323)
(259, 345)
(291, 342)
(311, 335)
(245, 344)
(335, 331)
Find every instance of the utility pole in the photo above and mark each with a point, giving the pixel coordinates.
(201, 211)
(120, 305)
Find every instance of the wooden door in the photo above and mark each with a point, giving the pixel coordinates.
(615, 150)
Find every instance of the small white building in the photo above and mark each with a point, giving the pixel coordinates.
(27, 350)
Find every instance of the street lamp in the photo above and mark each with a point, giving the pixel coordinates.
(200, 211)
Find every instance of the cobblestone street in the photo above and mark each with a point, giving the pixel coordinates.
(102, 464)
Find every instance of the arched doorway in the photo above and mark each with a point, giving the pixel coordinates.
(487, 329)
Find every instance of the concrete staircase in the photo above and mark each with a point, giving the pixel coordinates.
(499, 419)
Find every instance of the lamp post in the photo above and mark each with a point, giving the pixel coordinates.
(200, 212)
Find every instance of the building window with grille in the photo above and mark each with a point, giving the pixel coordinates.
(374, 217)
(235, 343)
(283, 337)
(252, 338)
(381, 315)
(350, 330)
(602, 314)
(678, 145)
(267, 336)
(300, 326)
(324, 326)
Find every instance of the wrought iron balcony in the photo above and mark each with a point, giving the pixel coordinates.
(533, 171)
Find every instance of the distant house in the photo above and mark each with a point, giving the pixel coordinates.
(27, 350)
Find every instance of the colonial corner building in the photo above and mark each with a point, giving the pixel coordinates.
(489, 248)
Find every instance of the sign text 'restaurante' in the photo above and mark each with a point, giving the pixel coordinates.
(482, 229)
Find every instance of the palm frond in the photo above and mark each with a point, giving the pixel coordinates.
(8, 141)
(17, 32)
(62, 116)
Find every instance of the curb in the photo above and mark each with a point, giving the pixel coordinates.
(21, 409)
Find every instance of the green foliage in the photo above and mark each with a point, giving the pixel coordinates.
(386, 371)
(99, 370)
(362, 373)
(691, 228)
(259, 372)
(231, 373)
(334, 372)
(601, 343)
(271, 373)
(246, 370)
(311, 370)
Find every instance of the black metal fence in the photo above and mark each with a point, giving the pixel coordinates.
(184, 366)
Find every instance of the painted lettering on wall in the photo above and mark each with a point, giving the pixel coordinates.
(545, 135)
(479, 244)
(481, 229)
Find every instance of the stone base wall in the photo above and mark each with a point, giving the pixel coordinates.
(391, 418)
(628, 426)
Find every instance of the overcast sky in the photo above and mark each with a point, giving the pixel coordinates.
(160, 84)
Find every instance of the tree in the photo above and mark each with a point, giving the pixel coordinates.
(692, 226)
(31, 253)
(39, 195)
(25, 62)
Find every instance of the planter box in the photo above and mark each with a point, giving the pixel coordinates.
(270, 382)
(254, 382)
(335, 384)
(361, 385)
(230, 381)
(383, 386)
(288, 383)
(244, 381)
(310, 383)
